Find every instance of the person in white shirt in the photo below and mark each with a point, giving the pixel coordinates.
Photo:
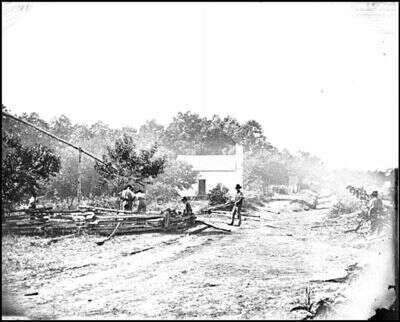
(140, 196)
(127, 197)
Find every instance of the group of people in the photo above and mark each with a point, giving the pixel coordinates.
(360, 193)
(130, 198)
(236, 210)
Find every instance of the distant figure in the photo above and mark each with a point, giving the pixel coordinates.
(127, 197)
(32, 202)
(237, 206)
(375, 211)
(141, 201)
(188, 208)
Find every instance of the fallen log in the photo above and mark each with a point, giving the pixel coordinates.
(218, 207)
(109, 210)
(110, 236)
(355, 229)
(275, 227)
(195, 231)
(277, 213)
(141, 250)
(207, 224)
(15, 210)
(333, 280)
(29, 210)
(246, 215)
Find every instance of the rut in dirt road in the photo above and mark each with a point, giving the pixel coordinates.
(254, 272)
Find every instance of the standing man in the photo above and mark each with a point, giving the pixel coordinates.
(375, 211)
(237, 206)
(141, 201)
(127, 197)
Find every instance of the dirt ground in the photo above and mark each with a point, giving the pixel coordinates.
(258, 271)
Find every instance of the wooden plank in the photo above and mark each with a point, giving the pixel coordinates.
(197, 230)
(117, 211)
(218, 228)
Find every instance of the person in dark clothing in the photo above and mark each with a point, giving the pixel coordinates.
(127, 197)
(376, 212)
(188, 208)
(237, 206)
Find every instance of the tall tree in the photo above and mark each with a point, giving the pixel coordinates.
(149, 134)
(188, 133)
(25, 169)
(264, 169)
(177, 176)
(185, 134)
(62, 127)
(126, 164)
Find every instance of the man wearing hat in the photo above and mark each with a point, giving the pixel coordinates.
(237, 206)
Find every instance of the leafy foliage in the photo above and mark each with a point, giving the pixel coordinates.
(188, 133)
(150, 134)
(263, 170)
(218, 195)
(177, 175)
(127, 165)
(63, 186)
(25, 168)
(162, 192)
(345, 206)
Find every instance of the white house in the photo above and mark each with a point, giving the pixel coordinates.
(214, 169)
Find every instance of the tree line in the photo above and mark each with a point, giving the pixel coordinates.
(36, 163)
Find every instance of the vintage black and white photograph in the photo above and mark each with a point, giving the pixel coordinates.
(200, 160)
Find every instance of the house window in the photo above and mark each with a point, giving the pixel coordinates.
(202, 187)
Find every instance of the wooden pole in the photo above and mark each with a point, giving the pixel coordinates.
(63, 141)
(54, 137)
(79, 192)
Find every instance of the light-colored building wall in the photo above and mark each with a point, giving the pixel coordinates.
(214, 169)
(293, 185)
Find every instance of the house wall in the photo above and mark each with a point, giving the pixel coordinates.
(211, 169)
(228, 178)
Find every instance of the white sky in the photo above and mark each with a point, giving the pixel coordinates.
(320, 77)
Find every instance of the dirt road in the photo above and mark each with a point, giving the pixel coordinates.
(255, 272)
